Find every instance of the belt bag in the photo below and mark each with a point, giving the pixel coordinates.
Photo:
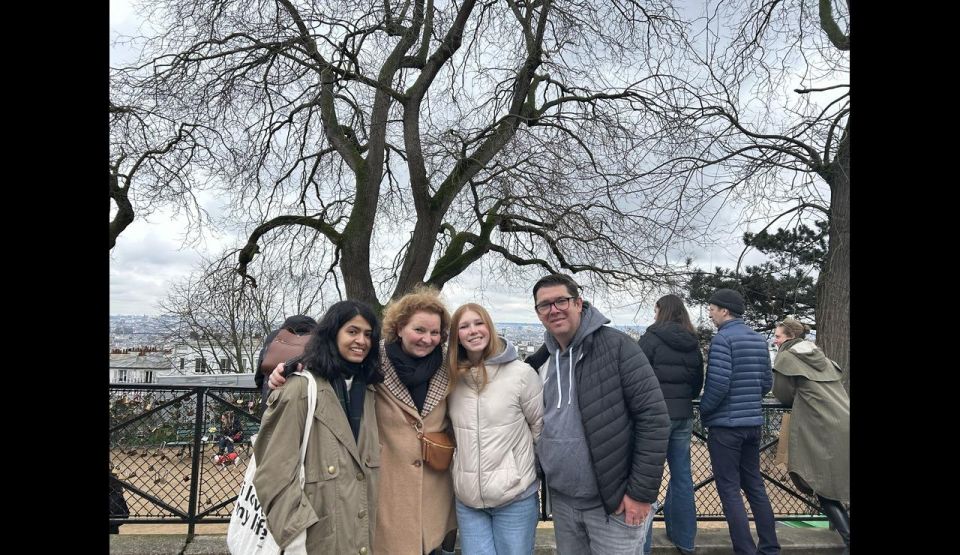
(436, 448)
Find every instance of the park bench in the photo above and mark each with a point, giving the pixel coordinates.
(183, 437)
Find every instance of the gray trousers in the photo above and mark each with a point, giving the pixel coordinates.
(593, 531)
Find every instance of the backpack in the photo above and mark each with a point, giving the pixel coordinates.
(285, 346)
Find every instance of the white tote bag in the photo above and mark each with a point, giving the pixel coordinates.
(247, 533)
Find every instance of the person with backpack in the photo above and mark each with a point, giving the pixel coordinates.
(299, 325)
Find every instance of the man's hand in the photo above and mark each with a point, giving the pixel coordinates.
(637, 511)
(276, 377)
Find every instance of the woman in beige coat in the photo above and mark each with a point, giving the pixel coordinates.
(496, 408)
(416, 510)
(819, 444)
(337, 505)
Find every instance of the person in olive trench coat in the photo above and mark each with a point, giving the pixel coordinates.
(338, 503)
(819, 431)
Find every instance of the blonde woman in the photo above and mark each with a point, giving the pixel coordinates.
(819, 445)
(496, 407)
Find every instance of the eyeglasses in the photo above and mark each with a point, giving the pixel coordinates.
(562, 303)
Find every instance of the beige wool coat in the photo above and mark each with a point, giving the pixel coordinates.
(338, 504)
(416, 507)
(819, 438)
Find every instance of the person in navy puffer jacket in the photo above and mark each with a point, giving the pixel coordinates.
(738, 376)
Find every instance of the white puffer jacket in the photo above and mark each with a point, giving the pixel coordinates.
(496, 429)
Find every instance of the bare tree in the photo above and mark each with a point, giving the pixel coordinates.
(771, 109)
(414, 138)
(217, 315)
(155, 159)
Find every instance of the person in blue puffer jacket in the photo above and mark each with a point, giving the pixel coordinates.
(738, 376)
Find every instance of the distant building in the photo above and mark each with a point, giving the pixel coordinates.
(138, 366)
(180, 365)
(202, 357)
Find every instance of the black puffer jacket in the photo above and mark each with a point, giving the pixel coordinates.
(624, 417)
(678, 363)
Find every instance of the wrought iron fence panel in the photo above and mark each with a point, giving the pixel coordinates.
(163, 442)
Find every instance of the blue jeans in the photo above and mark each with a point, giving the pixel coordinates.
(735, 457)
(506, 530)
(679, 508)
(225, 444)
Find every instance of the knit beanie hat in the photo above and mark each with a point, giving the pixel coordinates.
(729, 299)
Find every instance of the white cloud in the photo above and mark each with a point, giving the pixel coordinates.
(149, 254)
(120, 11)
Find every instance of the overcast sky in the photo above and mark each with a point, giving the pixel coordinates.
(149, 255)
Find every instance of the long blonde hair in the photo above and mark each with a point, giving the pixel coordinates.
(458, 362)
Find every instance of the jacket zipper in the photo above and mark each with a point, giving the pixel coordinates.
(479, 457)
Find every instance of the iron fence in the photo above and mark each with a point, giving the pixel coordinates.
(162, 468)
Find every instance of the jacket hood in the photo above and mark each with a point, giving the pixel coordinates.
(799, 357)
(674, 336)
(591, 320)
(509, 353)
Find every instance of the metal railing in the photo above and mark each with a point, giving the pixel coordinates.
(162, 448)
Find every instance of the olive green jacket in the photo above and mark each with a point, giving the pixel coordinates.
(338, 504)
(819, 444)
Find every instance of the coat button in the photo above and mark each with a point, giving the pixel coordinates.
(363, 551)
(331, 469)
(360, 476)
(362, 514)
(417, 463)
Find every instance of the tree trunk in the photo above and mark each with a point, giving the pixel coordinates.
(125, 213)
(355, 267)
(833, 287)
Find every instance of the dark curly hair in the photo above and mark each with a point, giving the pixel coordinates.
(322, 355)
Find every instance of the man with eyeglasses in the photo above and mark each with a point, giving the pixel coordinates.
(605, 425)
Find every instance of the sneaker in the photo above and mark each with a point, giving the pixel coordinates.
(216, 459)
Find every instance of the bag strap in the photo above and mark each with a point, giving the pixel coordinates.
(312, 403)
(417, 424)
